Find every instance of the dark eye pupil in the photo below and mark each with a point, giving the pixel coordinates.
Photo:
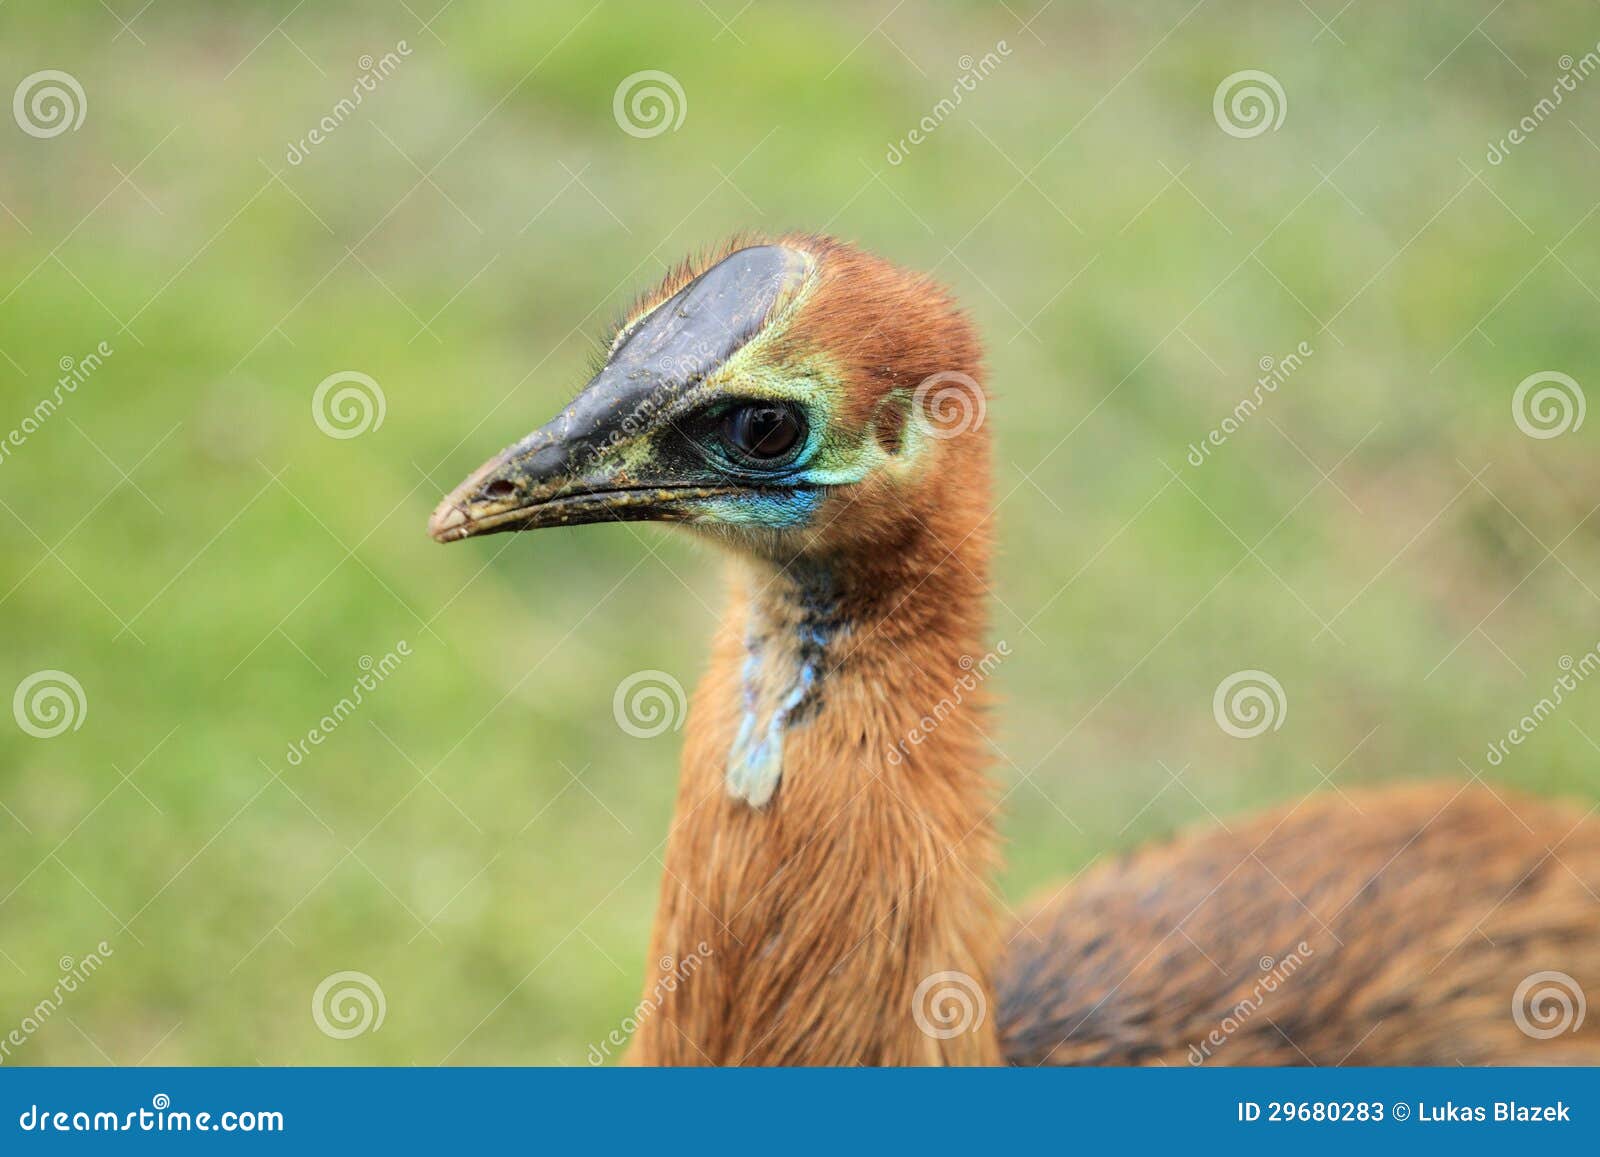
(762, 431)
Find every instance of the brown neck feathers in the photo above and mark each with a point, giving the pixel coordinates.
(847, 919)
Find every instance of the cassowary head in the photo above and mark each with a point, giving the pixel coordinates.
(794, 397)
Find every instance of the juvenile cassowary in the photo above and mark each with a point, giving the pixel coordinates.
(809, 407)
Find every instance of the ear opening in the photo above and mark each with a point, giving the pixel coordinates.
(889, 423)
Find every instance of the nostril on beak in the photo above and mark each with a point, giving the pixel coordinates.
(499, 490)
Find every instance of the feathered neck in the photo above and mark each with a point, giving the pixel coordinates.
(847, 919)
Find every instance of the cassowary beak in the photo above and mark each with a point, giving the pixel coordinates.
(601, 459)
(542, 481)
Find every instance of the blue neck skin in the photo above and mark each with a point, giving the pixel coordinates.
(786, 664)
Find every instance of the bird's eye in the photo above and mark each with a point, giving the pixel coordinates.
(762, 432)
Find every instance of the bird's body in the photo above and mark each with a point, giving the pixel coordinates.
(1391, 926)
(828, 891)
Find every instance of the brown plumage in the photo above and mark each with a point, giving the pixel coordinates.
(1399, 923)
(1389, 926)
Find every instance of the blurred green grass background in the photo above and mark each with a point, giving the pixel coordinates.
(481, 838)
